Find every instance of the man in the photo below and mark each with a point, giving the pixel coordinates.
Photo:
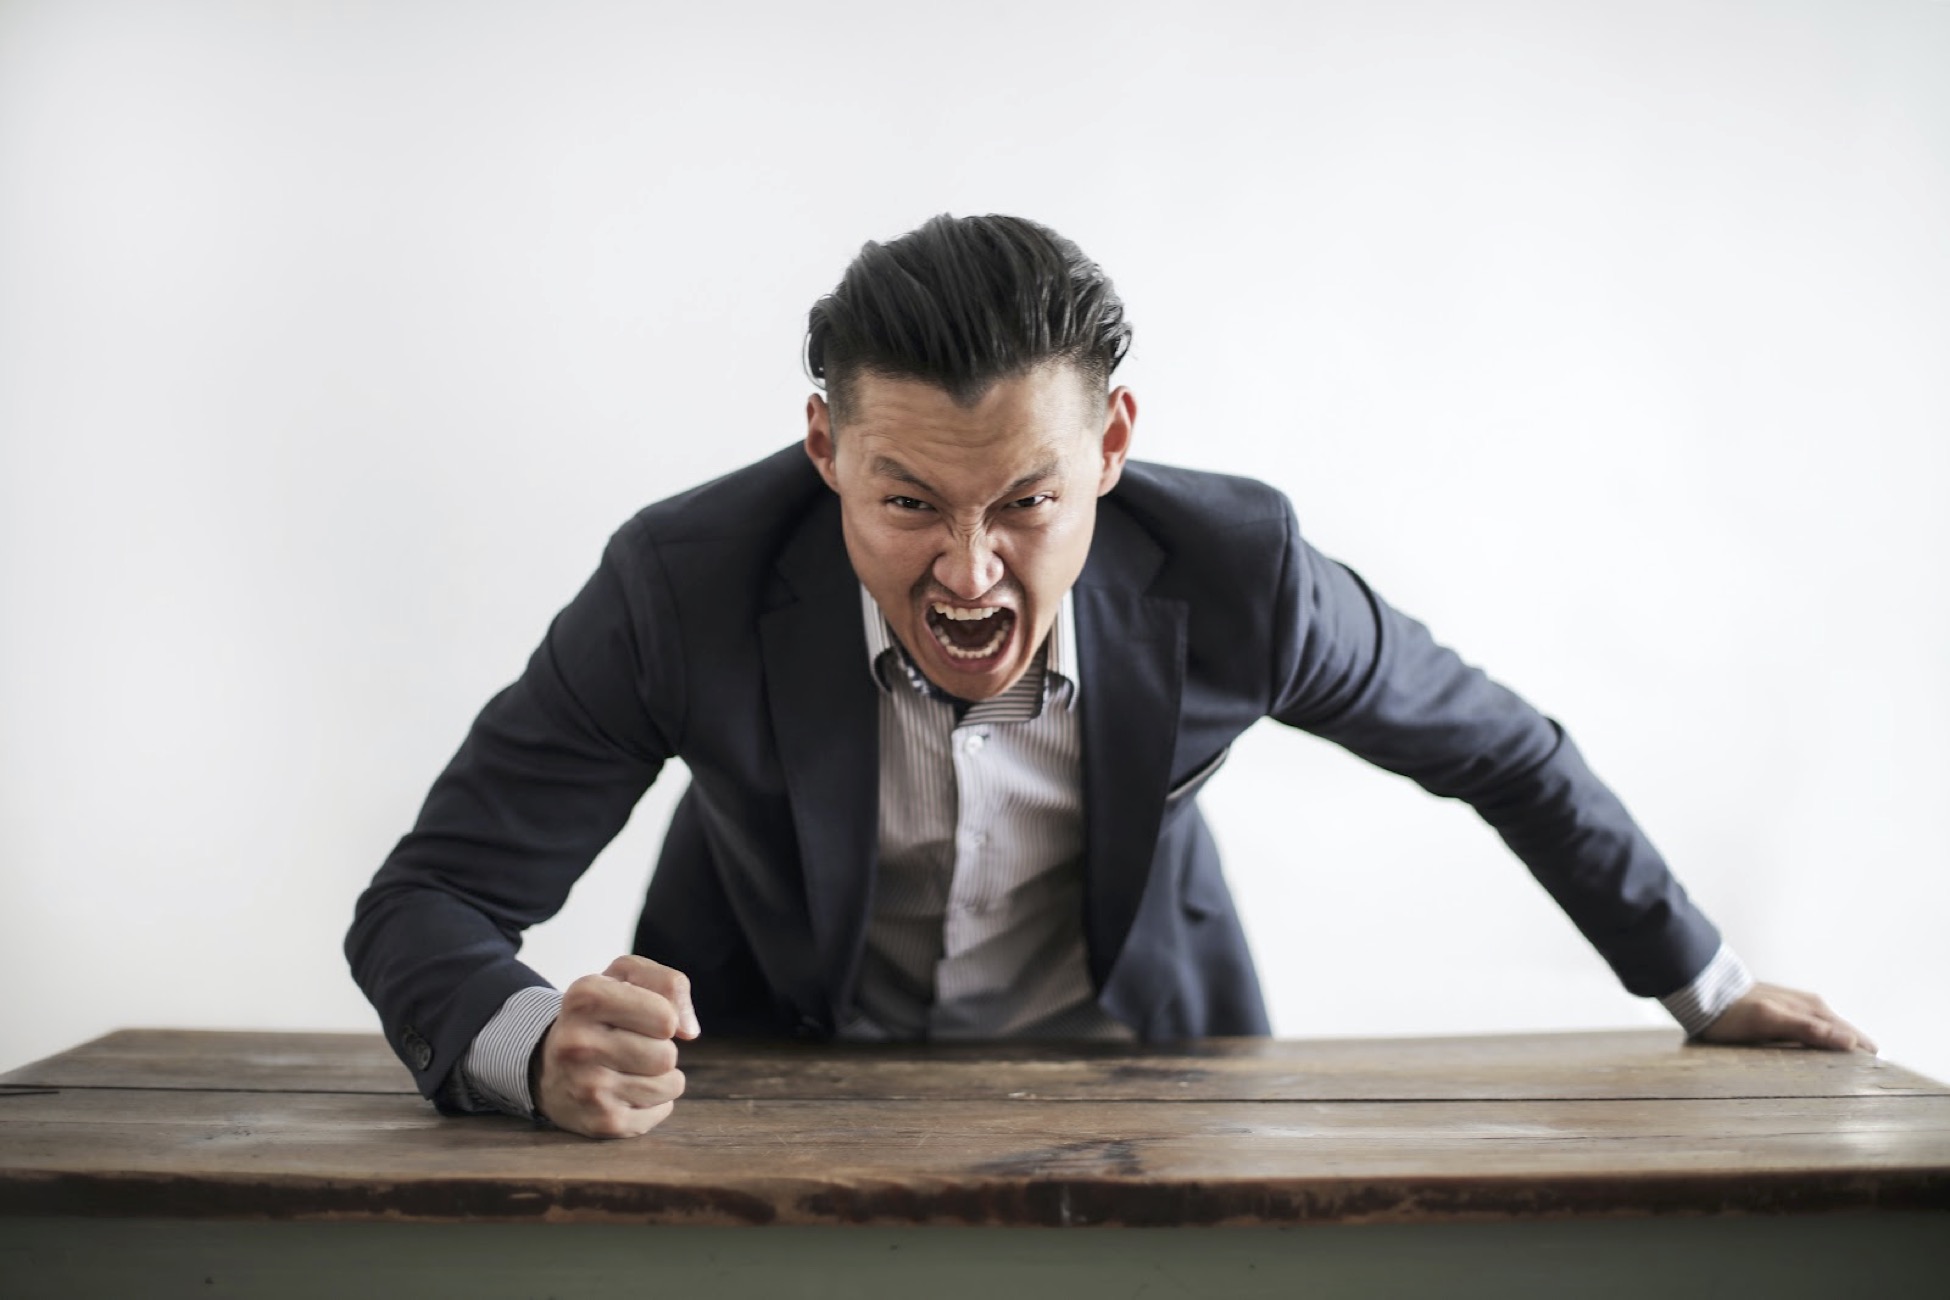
(948, 680)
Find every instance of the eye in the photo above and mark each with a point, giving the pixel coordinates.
(908, 503)
(1030, 503)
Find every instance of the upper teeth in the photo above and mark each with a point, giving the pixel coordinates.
(965, 615)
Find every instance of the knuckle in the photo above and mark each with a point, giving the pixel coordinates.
(584, 996)
(651, 1017)
(616, 1120)
(607, 1125)
(567, 1033)
(660, 1088)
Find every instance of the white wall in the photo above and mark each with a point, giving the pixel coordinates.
(1613, 340)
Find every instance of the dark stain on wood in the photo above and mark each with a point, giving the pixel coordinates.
(1114, 1156)
(1032, 1202)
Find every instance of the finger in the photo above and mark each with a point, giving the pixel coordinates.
(596, 1088)
(1813, 1031)
(1848, 1036)
(660, 979)
(646, 1118)
(1824, 1029)
(604, 1000)
(590, 1044)
(628, 1052)
(615, 1121)
(1838, 1034)
(642, 1092)
(1857, 1040)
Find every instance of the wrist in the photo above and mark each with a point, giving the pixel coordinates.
(1723, 982)
(535, 1079)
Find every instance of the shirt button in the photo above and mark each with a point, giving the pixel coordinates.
(973, 743)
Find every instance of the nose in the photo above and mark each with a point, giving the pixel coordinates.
(969, 567)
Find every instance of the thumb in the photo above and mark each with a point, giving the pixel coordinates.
(687, 1026)
(658, 978)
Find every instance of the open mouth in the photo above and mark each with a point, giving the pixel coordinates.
(970, 635)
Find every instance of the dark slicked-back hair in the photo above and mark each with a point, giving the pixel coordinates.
(962, 302)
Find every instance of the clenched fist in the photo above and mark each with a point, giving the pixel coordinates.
(608, 1065)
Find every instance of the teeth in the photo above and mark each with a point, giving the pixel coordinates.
(965, 615)
(979, 651)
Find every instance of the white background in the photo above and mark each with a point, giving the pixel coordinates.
(1612, 340)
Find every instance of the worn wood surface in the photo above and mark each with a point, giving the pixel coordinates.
(1228, 1131)
(1510, 1067)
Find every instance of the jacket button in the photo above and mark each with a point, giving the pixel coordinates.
(418, 1053)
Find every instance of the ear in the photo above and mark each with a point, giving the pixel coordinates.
(1119, 420)
(820, 447)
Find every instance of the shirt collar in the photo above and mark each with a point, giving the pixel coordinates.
(1058, 653)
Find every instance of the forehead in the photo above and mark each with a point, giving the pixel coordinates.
(1044, 415)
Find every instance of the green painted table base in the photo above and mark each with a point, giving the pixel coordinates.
(1658, 1258)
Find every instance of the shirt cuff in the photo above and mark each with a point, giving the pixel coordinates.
(493, 1075)
(1724, 982)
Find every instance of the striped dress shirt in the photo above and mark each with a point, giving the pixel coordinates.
(976, 929)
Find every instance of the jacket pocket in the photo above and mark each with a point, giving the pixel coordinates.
(1191, 785)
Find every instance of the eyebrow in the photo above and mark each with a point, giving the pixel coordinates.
(888, 467)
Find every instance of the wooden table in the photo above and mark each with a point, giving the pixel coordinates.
(166, 1162)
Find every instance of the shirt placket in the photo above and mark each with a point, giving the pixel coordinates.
(972, 751)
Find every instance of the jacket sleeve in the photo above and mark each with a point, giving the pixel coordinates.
(1357, 672)
(547, 776)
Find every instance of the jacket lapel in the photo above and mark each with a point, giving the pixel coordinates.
(1131, 647)
(825, 719)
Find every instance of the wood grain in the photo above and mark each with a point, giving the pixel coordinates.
(219, 1125)
(305, 1155)
(1609, 1065)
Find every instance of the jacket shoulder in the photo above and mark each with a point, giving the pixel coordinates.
(1174, 499)
(1204, 522)
(757, 505)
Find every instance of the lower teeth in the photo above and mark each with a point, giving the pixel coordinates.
(979, 652)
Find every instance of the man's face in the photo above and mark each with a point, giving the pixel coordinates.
(968, 524)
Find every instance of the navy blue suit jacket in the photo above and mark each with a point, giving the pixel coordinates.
(723, 628)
